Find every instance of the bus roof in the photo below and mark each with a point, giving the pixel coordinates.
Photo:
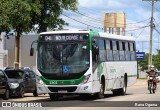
(65, 31)
(102, 34)
(118, 37)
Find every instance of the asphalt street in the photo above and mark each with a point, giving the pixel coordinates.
(137, 97)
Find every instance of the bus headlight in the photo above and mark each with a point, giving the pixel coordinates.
(39, 81)
(86, 79)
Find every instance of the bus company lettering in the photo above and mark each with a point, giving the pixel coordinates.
(112, 70)
(67, 37)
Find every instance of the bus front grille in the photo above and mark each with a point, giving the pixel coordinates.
(68, 89)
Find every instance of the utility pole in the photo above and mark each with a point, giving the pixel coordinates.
(151, 34)
(142, 46)
(151, 31)
(158, 42)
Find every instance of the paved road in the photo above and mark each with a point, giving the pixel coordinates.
(138, 92)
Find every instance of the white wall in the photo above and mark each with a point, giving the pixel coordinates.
(25, 58)
(3, 52)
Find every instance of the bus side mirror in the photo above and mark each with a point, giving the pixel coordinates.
(31, 51)
(96, 49)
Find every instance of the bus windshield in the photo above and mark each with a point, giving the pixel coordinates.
(63, 58)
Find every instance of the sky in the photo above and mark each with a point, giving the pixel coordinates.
(138, 13)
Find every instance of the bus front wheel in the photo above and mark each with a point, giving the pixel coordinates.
(100, 94)
(53, 97)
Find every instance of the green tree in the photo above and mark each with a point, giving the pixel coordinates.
(23, 15)
(155, 61)
(144, 63)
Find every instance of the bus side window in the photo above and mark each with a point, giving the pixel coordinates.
(115, 51)
(102, 52)
(109, 50)
(121, 50)
(127, 52)
(132, 49)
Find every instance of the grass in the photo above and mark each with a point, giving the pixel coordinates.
(142, 78)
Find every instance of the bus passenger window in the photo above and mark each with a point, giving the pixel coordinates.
(102, 52)
(133, 54)
(127, 52)
(126, 46)
(101, 45)
(121, 50)
(131, 46)
(108, 44)
(109, 50)
(114, 45)
(115, 51)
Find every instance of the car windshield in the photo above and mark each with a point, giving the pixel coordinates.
(158, 73)
(14, 74)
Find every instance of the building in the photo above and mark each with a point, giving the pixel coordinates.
(7, 51)
(3, 52)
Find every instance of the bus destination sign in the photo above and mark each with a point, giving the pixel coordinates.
(64, 37)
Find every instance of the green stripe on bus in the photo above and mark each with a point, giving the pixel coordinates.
(132, 75)
(109, 89)
(100, 70)
(91, 35)
(63, 82)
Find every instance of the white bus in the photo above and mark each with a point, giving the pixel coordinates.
(84, 62)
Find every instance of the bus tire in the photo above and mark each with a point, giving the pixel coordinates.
(115, 92)
(122, 91)
(53, 97)
(100, 94)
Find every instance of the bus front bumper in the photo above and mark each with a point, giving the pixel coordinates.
(66, 89)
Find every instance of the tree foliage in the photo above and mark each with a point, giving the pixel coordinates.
(155, 61)
(23, 15)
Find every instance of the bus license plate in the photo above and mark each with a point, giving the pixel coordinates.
(62, 91)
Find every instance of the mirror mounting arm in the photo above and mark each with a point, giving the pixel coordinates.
(32, 49)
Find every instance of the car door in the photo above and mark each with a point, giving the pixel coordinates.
(32, 80)
(27, 82)
(3, 82)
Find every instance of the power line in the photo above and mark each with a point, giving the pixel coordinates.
(100, 27)
(100, 21)
(141, 32)
(81, 22)
(157, 31)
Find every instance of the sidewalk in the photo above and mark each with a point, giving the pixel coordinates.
(141, 82)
